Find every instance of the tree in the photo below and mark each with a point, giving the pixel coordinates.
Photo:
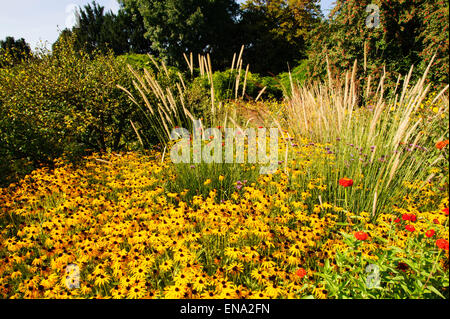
(409, 32)
(132, 24)
(97, 30)
(274, 32)
(90, 29)
(288, 19)
(13, 51)
(435, 38)
(181, 26)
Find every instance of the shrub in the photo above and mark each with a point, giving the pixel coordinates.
(298, 76)
(249, 86)
(63, 103)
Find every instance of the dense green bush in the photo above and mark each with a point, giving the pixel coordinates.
(409, 33)
(137, 61)
(62, 103)
(225, 85)
(298, 75)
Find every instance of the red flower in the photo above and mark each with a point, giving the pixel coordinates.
(301, 272)
(442, 244)
(430, 233)
(402, 266)
(360, 235)
(445, 210)
(440, 145)
(397, 220)
(410, 228)
(410, 217)
(346, 182)
(436, 221)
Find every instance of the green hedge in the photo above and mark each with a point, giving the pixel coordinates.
(63, 103)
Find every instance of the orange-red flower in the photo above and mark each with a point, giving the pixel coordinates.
(301, 272)
(442, 244)
(360, 235)
(410, 217)
(410, 228)
(346, 182)
(430, 233)
(440, 145)
(445, 210)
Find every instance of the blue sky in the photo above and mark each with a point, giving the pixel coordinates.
(39, 21)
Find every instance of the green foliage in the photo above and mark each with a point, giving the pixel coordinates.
(225, 85)
(137, 61)
(298, 75)
(178, 26)
(415, 271)
(274, 32)
(167, 98)
(13, 52)
(435, 38)
(198, 98)
(409, 33)
(96, 30)
(63, 103)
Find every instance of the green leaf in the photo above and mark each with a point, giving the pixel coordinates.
(431, 288)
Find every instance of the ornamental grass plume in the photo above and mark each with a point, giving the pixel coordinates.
(382, 138)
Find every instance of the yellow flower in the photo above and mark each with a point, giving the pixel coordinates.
(16, 274)
(235, 268)
(207, 182)
(174, 292)
(102, 280)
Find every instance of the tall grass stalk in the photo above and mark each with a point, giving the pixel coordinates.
(380, 145)
(164, 108)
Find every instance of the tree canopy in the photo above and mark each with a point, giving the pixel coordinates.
(274, 32)
(409, 33)
(180, 26)
(99, 30)
(13, 51)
